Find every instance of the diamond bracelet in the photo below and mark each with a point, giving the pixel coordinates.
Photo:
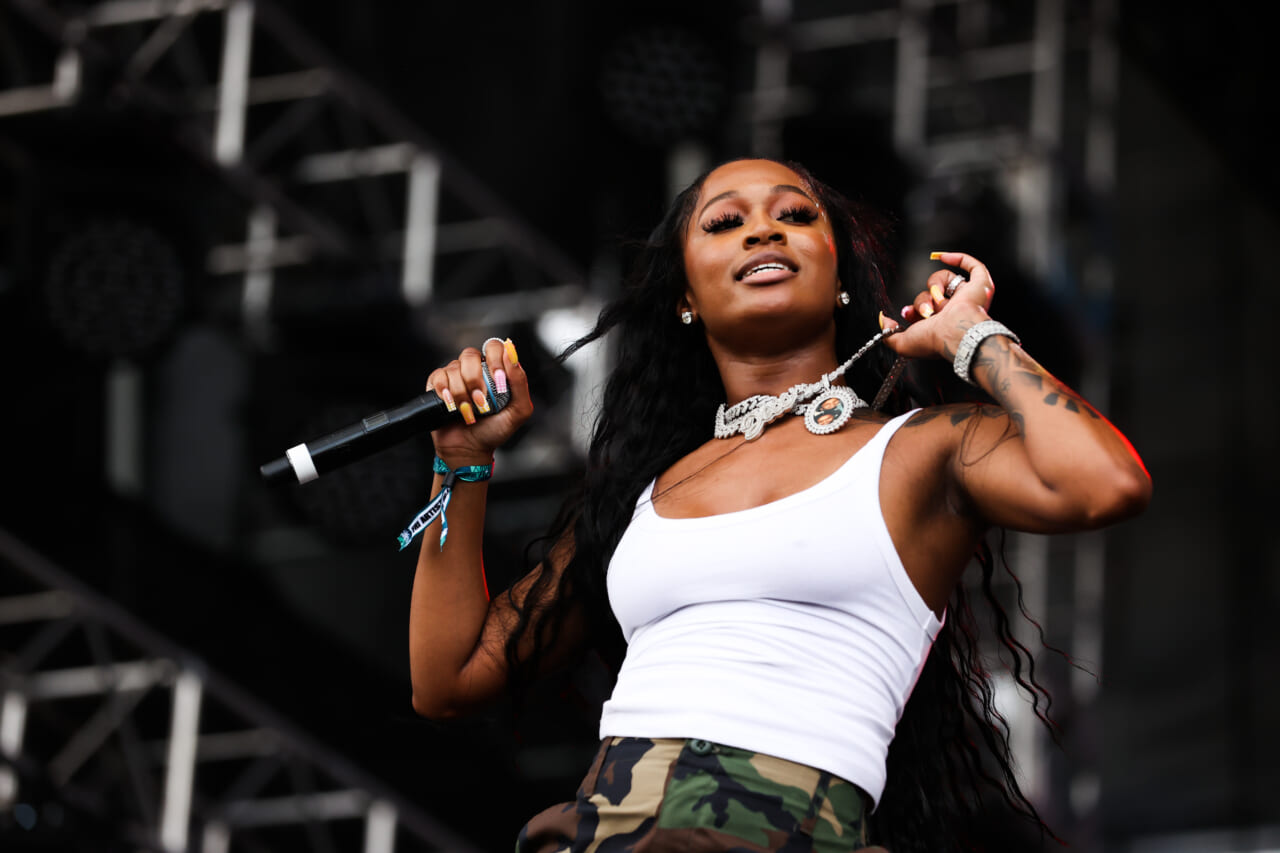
(969, 344)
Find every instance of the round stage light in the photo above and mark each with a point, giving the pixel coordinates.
(115, 288)
(662, 85)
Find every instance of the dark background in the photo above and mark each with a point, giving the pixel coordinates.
(1189, 703)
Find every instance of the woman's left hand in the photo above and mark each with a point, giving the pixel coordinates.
(933, 324)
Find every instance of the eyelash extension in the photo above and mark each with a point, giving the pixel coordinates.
(730, 219)
(803, 215)
(723, 221)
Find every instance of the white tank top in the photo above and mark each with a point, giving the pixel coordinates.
(789, 629)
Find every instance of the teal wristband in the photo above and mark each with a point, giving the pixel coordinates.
(438, 505)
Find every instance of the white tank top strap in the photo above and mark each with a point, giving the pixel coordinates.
(881, 439)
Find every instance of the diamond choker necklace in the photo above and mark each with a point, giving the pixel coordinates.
(830, 409)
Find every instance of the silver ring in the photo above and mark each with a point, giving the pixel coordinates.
(954, 285)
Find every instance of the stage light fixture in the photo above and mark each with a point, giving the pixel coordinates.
(662, 85)
(115, 288)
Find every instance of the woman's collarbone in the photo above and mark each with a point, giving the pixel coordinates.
(733, 475)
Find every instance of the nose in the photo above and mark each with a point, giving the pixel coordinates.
(763, 230)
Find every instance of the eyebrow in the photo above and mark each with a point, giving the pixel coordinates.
(777, 188)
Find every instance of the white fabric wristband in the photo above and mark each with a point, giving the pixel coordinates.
(972, 339)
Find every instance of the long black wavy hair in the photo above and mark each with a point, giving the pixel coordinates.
(658, 405)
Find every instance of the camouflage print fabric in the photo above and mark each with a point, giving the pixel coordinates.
(651, 796)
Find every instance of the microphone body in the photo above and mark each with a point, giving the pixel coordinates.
(308, 461)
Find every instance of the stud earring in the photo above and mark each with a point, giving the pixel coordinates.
(843, 298)
(686, 317)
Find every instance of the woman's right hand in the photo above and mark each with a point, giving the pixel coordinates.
(472, 439)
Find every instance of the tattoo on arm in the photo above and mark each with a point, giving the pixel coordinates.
(955, 413)
(923, 417)
(1009, 363)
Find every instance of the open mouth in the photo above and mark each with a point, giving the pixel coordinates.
(763, 268)
(768, 266)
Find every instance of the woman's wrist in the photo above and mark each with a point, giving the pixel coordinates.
(951, 335)
(464, 458)
(975, 338)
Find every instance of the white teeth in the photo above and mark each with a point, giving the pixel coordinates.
(762, 268)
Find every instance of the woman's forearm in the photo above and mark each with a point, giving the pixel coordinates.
(450, 602)
(1086, 474)
(456, 638)
(1072, 448)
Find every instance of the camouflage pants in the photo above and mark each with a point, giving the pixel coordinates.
(651, 796)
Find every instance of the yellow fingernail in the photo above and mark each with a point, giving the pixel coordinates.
(482, 404)
(448, 400)
(467, 415)
(935, 290)
(882, 321)
(935, 256)
(925, 310)
(511, 351)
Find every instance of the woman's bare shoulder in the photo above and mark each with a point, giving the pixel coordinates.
(952, 416)
(955, 431)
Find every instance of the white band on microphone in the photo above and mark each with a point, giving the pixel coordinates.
(303, 465)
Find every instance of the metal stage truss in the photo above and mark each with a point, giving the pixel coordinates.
(328, 171)
(134, 733)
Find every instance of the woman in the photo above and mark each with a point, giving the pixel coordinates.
(779, 588)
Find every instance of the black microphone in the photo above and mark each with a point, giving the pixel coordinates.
(423, 413)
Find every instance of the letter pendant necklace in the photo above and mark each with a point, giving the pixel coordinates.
(825, 407)
(821, 416)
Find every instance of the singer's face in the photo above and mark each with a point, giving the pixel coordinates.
(758, 246)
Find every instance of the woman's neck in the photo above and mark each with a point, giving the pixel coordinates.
(746, 375)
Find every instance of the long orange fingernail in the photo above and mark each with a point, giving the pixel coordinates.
(935, 290)
(925, 310)
(448, 400)
(936, 256)
(467, 415)
(482, 404)
(511, 351)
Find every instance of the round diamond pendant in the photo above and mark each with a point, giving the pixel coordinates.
(831, 410)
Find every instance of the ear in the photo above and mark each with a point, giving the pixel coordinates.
(687, 303)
